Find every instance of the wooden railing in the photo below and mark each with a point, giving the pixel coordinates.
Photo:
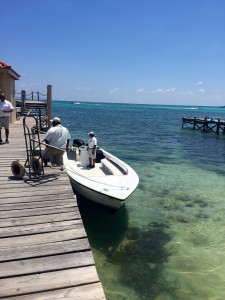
(35, 104)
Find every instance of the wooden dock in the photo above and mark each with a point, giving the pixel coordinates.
(206, 124)
(44, 249)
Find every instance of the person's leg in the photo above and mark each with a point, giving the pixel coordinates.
(47, 155)
(1, 130)
(6, 134)
(6, 125)
(58, 157)
(94, 159)
(90, 158)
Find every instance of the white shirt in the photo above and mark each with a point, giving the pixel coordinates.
(57, 136)
(5, 108)
(92, 142)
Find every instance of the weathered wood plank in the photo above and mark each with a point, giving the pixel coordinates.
(39, 198)
(42, 204)
(15, 181)
(47, 281)
(36, 188)
(36, 211)
(15, 193)
(40, 228)
(84, 292)
(31, 220)
(32, 251)
(46, 264)
(42, 238)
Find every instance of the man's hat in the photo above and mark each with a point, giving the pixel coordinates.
(55, 120)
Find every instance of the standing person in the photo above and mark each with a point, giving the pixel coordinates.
(59, 137)
(92, 148)
(5, 109)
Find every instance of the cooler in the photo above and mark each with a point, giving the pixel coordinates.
(84, 160)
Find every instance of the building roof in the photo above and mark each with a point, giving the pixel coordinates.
(9, 70)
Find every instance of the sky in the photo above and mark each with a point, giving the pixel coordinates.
(127, 51)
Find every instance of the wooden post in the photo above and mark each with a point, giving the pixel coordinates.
(218, 126)
(49, 104)
(205, 124)
(23, 99)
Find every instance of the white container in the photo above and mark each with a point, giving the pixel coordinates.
(84, 160)
(77, 156)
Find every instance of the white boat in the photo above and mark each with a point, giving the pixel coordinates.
(110, 183)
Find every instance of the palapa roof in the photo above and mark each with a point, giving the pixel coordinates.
(8, 69)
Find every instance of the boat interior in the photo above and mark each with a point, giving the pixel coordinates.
(103, 165)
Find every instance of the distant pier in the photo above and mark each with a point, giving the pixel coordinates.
(205, 124)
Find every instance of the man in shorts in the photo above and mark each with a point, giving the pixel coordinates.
(5, 109)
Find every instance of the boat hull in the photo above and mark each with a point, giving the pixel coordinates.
(96, 196)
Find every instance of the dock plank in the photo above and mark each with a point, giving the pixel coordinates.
(32, 251)
(39, 228)
(47, 281)
(83, 292)
(15, 222)
(43, 238)
(46, 264)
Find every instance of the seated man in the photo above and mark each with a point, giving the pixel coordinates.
(58, 137)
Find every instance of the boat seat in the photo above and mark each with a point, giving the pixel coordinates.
(109, 168)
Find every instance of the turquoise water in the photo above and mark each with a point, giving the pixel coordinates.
(168, 241)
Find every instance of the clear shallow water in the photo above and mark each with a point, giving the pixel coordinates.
(168, 241)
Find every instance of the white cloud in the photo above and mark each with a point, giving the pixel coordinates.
(199, 83)
(171, 90)
(140, 90)
(201, 90)
(158, 91)
(113, 90)
(164, 91)
(185, 92)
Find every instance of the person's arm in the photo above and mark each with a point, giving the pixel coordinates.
(67, 145)
(10, 109)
